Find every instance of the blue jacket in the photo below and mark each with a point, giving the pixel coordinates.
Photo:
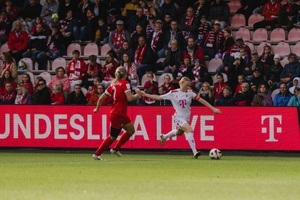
(282, 99)
(294, 101)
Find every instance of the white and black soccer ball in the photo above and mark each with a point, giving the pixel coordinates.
(215, 154)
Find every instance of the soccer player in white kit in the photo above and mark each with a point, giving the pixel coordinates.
(181, 99)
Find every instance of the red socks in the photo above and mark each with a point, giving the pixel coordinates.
(105, 145)
(124, 138)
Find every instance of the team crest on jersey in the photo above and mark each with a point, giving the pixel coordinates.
(128, 86)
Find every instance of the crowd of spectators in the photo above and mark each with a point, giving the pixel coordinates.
(181, 34)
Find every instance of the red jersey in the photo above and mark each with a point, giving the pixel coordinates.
(117, 92)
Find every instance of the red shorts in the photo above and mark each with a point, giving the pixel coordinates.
(117, 121)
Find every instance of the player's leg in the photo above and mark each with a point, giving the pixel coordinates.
(114, 132)
(190, 137)
(129, 131)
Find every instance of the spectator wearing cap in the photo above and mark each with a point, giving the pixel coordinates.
(202, 30)
(168, 7)
(212, 42)
(283, 97)
(54, 21)
(255, 62)
(273, 73)
(117, 36)
(150, 25)
(201, 8)
(155, 40)
(235, 68)
(256, 80)
(138, 18)
(50, 7)
(219, 11)
(189, 23)
(194, 50)
(270, 13)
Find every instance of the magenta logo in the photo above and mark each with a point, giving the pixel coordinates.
(273, 127)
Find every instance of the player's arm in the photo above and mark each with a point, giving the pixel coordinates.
(152, 96)
(130, 97)
(205, 103)
(100, 101)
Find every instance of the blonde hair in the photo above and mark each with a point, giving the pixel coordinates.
(119, 74)
(183, 79)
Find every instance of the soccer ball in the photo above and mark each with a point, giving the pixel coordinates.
(215, 154)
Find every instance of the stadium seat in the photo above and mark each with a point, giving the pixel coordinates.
(260, 47)
(284, 61)
(234, 5)
(294, 35)
(4, 48)
(224, 76)
(282, 48)
(46, 76)
(104, 49)
(296, 49)
(29, 64)
(58, 62)
(277, 35)
(91, 49)
(254, 18)
(84, 90)
(276, 91)
(30, 75)
(71, 48)
(237, 20)
(260, 35)
(161, 78)
(244, 33)
(250, 45)
(213, 65)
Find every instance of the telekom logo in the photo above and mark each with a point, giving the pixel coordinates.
(182, 103)
(271, 129)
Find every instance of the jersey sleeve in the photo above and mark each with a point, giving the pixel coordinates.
(167, 96)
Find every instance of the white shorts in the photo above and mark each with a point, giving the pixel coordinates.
(180, 122)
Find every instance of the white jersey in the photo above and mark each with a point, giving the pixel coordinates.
(181, 102)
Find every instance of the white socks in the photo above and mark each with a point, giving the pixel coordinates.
(172, 133)
(191, 141)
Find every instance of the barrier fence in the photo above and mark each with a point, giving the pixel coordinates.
(237, 128)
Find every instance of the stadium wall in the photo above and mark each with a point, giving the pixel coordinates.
(237, 128)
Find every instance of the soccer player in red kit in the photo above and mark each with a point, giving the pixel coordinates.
(120, 91)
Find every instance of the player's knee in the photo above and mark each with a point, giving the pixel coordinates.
(114, 132)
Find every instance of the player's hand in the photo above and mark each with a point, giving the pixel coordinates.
(217, 111)
(138, 91)
(96, 110)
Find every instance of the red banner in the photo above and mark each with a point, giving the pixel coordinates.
(237, 128)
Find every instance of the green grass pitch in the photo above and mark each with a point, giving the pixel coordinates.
(61, 174)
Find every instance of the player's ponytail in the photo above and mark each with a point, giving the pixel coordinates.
(120, 73)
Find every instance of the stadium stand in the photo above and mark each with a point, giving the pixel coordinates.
(282, 48)
(260, 35)
(244, 33)
(276, 91)
(46, 76)
(234, 5)
(260, 47)
(284, 61)
(213, 65)
(294, 35)
(251, 46)
(104, 49)
(144, 79)
(91, 49)
(29, 64)
(4, 48)
(237, 20)
(296, 49)
(253, 19)
(277, 35)
(58, 62)
(224, 76)
(71, 48)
